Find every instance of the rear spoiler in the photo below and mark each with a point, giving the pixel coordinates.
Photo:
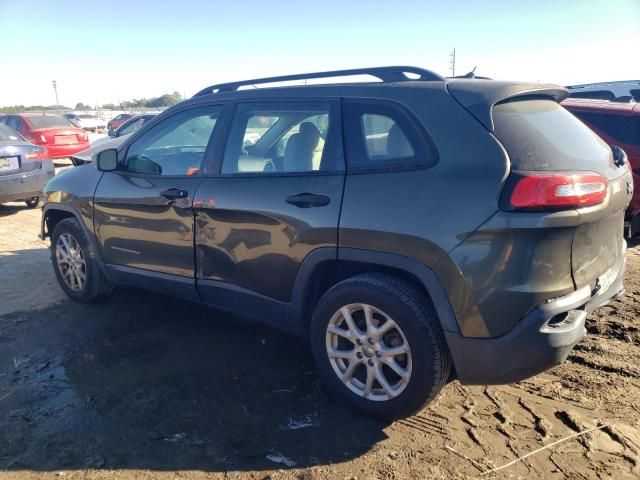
(479, 96)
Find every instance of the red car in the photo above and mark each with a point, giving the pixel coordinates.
(56, 133)
(618, 124)
(113, 125)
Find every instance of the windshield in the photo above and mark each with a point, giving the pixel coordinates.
(49, 121)
(8, 135)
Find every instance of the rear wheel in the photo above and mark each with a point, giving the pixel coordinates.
(32, 202)
(378, 345)
(75, 264)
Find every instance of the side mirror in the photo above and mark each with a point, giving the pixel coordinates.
(107, 160)
(111, 133)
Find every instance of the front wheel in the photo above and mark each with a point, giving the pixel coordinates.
(378, 345)
(75, 265)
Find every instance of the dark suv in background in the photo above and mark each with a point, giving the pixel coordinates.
(414, 228)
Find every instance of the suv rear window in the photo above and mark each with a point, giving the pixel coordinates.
(542, 135)
(49, 121)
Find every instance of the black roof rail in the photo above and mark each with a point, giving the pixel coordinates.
(386, 74)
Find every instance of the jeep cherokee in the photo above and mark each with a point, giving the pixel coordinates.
(415, 228)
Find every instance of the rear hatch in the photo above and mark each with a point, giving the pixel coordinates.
(543, 139)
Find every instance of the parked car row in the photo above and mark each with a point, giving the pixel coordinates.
(29, 142)
(408, 246)
(57, 134)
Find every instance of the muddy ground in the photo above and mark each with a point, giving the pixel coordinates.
(142, 386)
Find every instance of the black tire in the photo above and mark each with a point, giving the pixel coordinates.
(97, 285)
(412, 311)
(32, 202)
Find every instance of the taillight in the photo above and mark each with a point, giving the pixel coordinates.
(40, 154)
(84, 136)
(38, 139)
(557, 190)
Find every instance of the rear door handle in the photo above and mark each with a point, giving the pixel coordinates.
(174, 194)
(307, 200)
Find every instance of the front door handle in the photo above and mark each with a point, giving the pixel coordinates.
(307, 200)
(174, 194)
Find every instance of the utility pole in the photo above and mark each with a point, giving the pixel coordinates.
(452, 62)
(55, 89)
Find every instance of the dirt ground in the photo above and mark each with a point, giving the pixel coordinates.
(142, 387)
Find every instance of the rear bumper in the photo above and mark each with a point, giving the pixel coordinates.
(539, 341)
(61, 151)
(23, 186)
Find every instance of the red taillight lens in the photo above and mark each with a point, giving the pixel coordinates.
(558, 190)
(38, 139)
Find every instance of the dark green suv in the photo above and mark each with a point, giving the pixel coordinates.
(415, 228)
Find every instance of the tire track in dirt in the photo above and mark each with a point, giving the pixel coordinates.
(505, 422)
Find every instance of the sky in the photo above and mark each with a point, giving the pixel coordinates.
(111, 51)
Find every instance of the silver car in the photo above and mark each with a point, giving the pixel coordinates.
(25, 168)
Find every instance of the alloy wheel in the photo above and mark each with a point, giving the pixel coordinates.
(71, 262)
(368, 352)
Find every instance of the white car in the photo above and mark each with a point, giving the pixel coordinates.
(92, 123)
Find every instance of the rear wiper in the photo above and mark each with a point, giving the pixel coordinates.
(619, 156)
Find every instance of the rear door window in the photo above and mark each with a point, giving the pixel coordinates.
(280, 138)
(383, 136)
(542, 135)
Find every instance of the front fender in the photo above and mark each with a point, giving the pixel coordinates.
(71, 194)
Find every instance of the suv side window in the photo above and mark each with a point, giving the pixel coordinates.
(175, 146)
(383, 136)
(279, 137)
